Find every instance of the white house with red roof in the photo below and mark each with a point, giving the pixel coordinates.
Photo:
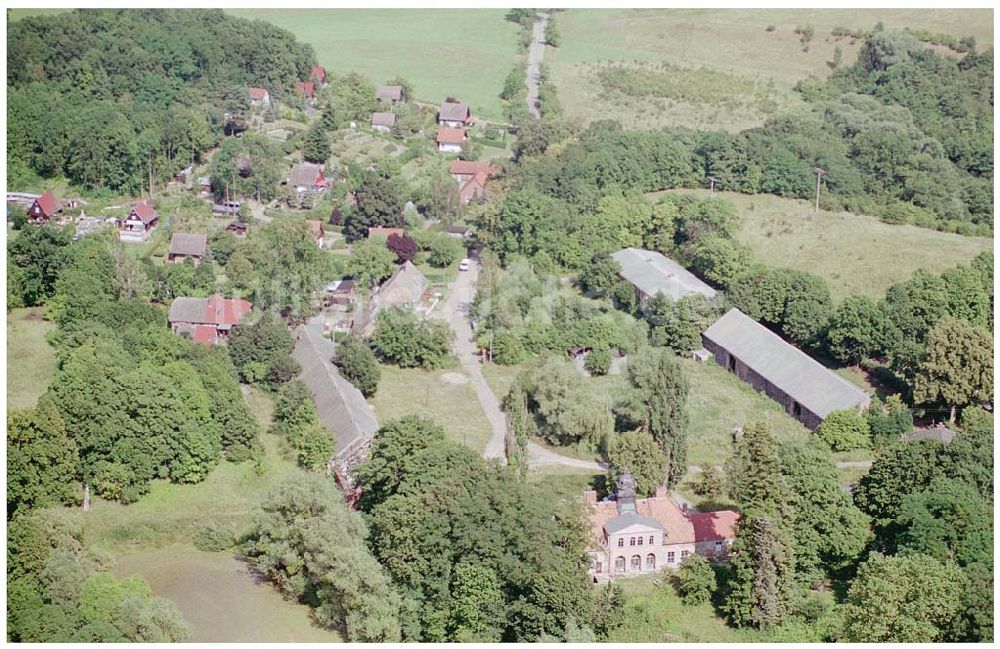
(207, 320)
(450, 140)
(44, 208)
(259, 96)
(141, 220)
(631, 537)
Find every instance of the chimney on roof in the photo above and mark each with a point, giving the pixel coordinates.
(684, 508)
(625, 491)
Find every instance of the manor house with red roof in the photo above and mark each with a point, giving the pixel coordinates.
(631, 537)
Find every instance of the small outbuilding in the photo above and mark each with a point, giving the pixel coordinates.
(389, 94)
(383, 122)
(185, 245)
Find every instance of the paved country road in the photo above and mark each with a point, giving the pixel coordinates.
(536, 51)
(456, 312)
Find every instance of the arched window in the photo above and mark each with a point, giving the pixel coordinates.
(650, 562)
(636, 563)
(621, 543)
(620, 564)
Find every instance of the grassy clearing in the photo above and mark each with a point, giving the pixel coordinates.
(432, 394)
(729, 41)
(459, 53)
(854, 253)
(31, 361)
(655, 614)
(719, 402)
(221, 598)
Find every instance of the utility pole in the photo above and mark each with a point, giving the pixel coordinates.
(819, 174)
(711, 185)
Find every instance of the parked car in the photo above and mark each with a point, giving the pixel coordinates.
(464, 264)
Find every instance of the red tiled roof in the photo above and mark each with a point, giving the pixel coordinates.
(144, 212)
(205, 334)
(450, 135)
(257, 94)
(48, 203)
(681, 527)
(305, 87)
(222, 311)
(714, 526)
(318, 73)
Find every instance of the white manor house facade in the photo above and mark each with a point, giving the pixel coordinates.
(631, 537)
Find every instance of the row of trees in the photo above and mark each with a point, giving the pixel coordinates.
(155, 86)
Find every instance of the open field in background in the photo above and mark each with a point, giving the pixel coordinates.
(448, 52)
(854, 253)
(221, 598)
(433, 394)
(733, 43)
(31, 361)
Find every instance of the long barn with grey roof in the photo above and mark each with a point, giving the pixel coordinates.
(651, 273)
(807, 390)
(340, 405)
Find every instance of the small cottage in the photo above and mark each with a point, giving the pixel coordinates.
(406, 288)
(383, 122)
(305, 90)
(259, 97)
(308, 177)
(389, 94)
(44, 208)
(450, 140)
(653, 274)
(454, 114)
(187, 246)
(341, 292)
(317, 231)
(141, 220)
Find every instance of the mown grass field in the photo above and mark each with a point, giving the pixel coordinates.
(733, 42)
(31, 361)
(445, 52)
(430, 394)
(854, 253)
(221, 598)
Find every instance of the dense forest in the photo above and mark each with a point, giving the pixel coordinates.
(118, 99)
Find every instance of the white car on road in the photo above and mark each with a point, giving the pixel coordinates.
(464, 264)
